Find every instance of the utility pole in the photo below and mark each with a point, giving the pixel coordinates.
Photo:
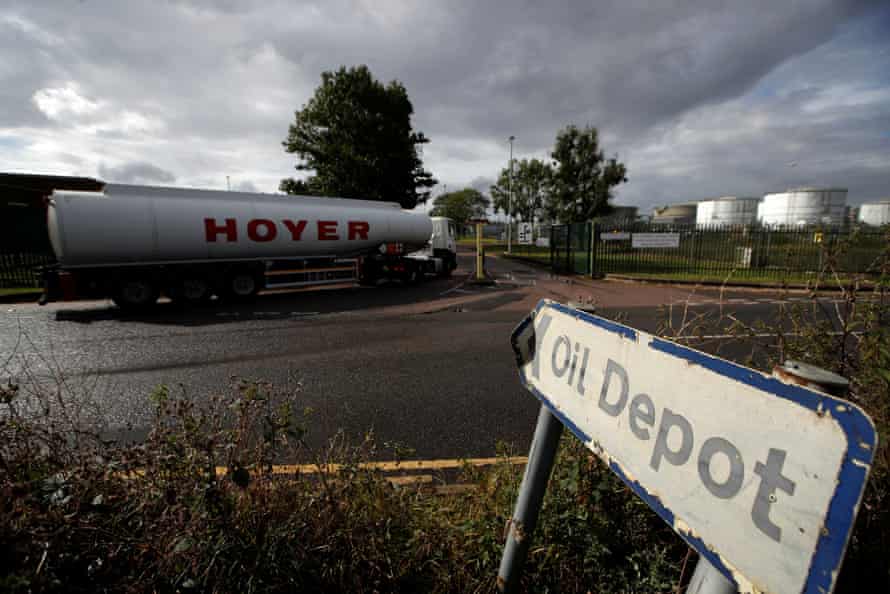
(228, 185)
(510, 201)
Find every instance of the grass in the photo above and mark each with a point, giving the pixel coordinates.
(471, 241)
(18, 291)
(741, 279)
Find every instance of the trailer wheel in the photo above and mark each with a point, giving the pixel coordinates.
(241, 285)
(367, 276)
(412, 274)
(191, 291)
(448, 266)
(135, 294)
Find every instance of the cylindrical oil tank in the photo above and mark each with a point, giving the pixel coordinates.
(875, 213)
(804, 206)
(726, 211)
(678, 214)
(127, 224)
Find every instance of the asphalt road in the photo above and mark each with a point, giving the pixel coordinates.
(429, 366)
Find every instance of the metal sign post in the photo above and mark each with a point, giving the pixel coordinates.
(531, 495)
(762, 475)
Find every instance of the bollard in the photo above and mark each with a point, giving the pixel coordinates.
(480, 257)
(707, 579)
(531, 494)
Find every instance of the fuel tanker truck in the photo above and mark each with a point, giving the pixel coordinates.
(133, 243)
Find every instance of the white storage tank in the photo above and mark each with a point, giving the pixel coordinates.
(875, 213)
(727, 210)
(675, 214)
(804, 206)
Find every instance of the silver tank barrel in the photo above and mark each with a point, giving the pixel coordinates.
(128, 224)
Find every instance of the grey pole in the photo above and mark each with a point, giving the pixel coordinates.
(531, 494)
(707, 579)
(510, 202)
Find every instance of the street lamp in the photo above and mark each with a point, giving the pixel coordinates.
(510, 201)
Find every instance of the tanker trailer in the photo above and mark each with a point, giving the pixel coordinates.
(132, 243)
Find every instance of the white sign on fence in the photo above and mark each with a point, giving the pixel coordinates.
(615, 236)
(525, 233)
(655, 240)
(763, 478)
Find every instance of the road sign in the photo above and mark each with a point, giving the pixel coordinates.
(655, 240)
(763, 478)
(525, 233)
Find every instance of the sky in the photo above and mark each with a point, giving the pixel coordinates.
(698, 98)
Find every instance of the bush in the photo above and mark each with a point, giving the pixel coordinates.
(196, 507)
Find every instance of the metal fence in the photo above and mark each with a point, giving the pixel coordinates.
(18, 270)
(691, 252)
(570, 248)
(744, 252)
(24, 245)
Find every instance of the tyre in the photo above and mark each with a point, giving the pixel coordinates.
(367, 275)
(448, 266)
(135, 294)
(242, 285)
(412, 275)
(191, 291)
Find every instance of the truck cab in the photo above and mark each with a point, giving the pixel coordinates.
(444, 241)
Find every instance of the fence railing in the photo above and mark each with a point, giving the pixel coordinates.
(745, 252)
(692, 252)
(18, 269)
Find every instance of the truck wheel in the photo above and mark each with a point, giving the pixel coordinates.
(191, 291)
(135, 294)
(242, 285)
(448, 266)
(412, 275)
(367, 276)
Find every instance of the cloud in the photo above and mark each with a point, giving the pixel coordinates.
(698, 97)
(135, 173)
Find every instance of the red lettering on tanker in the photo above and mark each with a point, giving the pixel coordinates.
(296, 229)
(327, 230)
(211, 230)
(358, 230)
(261, 230)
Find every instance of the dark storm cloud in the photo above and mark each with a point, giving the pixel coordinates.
(135, 173)
(205, 89)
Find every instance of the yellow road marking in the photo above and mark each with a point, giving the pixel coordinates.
(391, 466)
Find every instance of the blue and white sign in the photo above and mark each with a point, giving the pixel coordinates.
(761, 477)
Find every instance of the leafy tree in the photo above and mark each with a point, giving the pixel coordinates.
(460, 206)
(355, 134)
(583, 179)
(290, 185)
(531, 180)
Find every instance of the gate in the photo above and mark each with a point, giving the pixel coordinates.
(570, 248)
